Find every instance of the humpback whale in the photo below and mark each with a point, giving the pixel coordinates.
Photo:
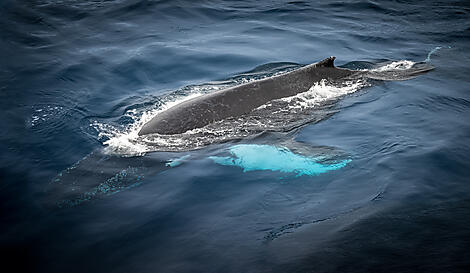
(102, 173)
(242, 99)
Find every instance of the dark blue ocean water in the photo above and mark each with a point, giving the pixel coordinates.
(79, 192)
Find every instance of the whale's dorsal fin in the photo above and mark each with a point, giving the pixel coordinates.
(328, 62)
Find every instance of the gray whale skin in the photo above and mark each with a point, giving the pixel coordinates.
(242, 99)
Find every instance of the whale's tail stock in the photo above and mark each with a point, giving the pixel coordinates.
(398, 70)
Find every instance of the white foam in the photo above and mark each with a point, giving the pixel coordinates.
(321, 92)
(398, 65)
(125, 141)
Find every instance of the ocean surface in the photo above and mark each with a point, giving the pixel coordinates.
(372, 175)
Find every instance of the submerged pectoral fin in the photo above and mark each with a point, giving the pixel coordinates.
(256, 157)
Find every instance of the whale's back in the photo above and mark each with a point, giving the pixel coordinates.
(241, 99)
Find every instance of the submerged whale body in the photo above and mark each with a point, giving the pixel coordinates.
(242, 99)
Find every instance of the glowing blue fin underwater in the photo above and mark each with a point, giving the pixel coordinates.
(254, 157)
